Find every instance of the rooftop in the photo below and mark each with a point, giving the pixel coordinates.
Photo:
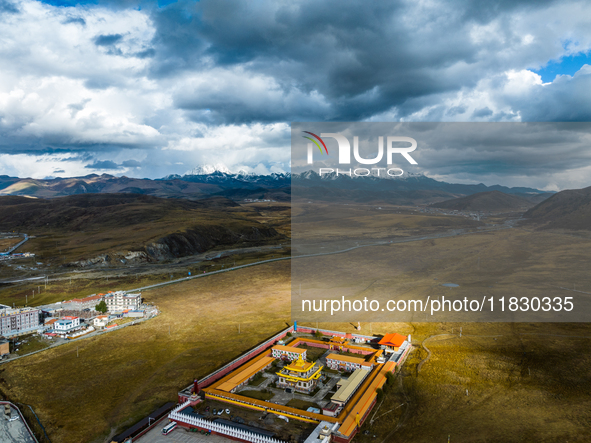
(347, 358)
(299, 365)
(289, 349)
(349, 386)
(244, 374)
(395, 340)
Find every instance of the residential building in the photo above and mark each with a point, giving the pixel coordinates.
(300, 375)
(48, 323)
(101, 321)
(288, 352)
(66, 325)
(120, 301)
(21, 321)
(346, 363)
(80, 304)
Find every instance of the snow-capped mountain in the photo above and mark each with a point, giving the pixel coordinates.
(209, 169)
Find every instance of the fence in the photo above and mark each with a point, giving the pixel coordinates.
(219, 428)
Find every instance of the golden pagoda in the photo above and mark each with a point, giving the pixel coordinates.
(300, 375)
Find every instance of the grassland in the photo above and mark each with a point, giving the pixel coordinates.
(7, 243)
(83, 227)
(68, 285)
(496, 264)
(497, 383)
(525, 381)
(122, 376)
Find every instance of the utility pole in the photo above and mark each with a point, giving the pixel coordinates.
(460, 332)
(76, 351)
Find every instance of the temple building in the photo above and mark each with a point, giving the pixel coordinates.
(300, 375)
(391, 343)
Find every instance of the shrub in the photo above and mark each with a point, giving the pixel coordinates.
(380, 394)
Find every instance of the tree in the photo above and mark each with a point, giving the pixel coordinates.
(380, 394)
(101, 307)
(318, 334)
(389, 378)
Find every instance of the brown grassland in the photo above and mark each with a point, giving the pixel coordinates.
(6, 243)
(525, 382)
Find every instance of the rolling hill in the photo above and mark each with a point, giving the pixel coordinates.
(569, 209)
(118, 228)
(493, 201)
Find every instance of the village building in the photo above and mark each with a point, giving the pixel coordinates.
(80, 304)
(14, 322)
(121, 301)
(101, 321)
(66, 325)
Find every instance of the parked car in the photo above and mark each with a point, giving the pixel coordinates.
(207, 409)
(215, 411)
(228, 411)
(288, 390)
(220, 412)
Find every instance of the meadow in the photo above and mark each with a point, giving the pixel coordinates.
(498, 382)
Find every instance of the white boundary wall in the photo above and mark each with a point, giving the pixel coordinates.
(219, 428)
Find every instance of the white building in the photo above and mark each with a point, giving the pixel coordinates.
(66, 325)
(15, 322)
(80, 304)
(120, 301)
(101, 321)
(290, 353)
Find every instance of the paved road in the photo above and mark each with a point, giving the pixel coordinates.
(318, 254)
(179, 435)
(60, 342)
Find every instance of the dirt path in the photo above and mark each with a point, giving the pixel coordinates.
(423, 344)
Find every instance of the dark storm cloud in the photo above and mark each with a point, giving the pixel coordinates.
(483, 112)
(107, 40)
(8, 7)
(363, 58)
(77, 20)
(131, 164)
(192, 79)
(105, 164)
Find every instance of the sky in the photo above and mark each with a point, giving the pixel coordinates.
(147, 89)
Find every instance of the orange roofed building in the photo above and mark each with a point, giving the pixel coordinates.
(393, 342)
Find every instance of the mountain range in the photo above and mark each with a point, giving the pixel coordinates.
(217, 180)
